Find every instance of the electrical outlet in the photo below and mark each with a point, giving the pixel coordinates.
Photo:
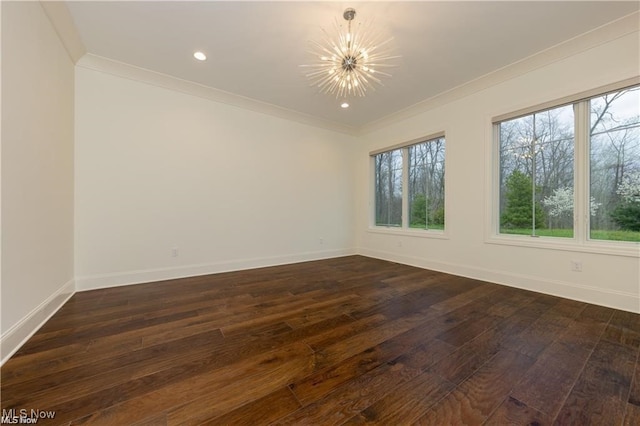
(399, 243)
(174, 252)
(576, 265)
(321, 240)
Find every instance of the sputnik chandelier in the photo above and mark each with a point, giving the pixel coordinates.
(349, 65)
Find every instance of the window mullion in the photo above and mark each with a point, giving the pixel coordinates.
(405, 187)
(581, 172)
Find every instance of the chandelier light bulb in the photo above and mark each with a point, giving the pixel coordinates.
(344, 61)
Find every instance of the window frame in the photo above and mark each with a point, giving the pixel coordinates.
(404, 229)
(581, 240)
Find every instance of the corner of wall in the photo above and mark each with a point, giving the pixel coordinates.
(62, 22)
(17, 335)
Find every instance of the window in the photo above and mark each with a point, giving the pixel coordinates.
(536, 174)
(389, 188)
(572, 171)
(614, 128)
(426, 184)
(409, 185)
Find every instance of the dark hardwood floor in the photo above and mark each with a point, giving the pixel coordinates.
(351, 340)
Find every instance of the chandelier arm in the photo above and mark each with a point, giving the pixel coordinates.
(365, 77)
(383, 73)
(382, 64)
(365, 83)
(328, 82)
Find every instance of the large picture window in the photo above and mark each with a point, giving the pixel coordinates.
(572, 171)
(409, 185)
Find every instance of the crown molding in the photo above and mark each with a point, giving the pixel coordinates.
(583, 42)
(132, 72)
(62, 22)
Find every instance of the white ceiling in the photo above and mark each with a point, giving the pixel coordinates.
(255, 48)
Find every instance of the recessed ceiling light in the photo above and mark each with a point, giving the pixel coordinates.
(200, 56)
(344, 105)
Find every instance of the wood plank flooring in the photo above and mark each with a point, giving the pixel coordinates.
(351, 340)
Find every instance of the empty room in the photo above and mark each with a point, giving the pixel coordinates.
(320, 213)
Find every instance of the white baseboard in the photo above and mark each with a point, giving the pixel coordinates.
(613, 299)
(17, 335)
(93, 282)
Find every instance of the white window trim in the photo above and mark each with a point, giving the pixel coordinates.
(404, 230)
(411, 232)
(580, 241)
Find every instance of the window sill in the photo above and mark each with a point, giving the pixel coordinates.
(420, 233)
(620, 248)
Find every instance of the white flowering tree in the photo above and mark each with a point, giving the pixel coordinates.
(560, 204)
(627, 212)
(629, 188)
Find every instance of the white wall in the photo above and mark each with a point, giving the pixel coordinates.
(37, 172)
(230, 188)
(610, 280)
